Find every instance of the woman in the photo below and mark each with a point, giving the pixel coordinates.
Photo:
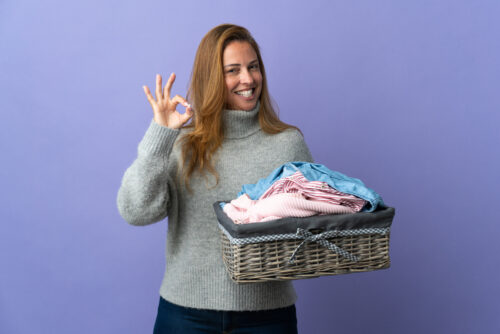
(234, 138)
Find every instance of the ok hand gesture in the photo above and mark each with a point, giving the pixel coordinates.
(164, 107)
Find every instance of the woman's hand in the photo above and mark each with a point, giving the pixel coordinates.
(164, 107)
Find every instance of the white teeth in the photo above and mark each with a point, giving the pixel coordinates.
(245, 93)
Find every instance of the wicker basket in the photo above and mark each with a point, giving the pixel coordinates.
(297, 248)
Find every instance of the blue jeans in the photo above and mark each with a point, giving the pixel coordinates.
(173, 318)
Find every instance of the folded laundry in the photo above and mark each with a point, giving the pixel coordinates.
(316, 172)
(313, 190)
(244, 210)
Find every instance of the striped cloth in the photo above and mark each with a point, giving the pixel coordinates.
(313, 190)
(244, 210)
(292, 196)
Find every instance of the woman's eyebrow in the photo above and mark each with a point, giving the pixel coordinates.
(253, 61)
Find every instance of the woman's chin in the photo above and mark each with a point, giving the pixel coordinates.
(246, 105)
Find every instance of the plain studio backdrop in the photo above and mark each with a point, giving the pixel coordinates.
(404, 95)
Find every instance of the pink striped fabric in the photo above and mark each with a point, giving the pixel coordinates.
(313, 190)
(244, 210)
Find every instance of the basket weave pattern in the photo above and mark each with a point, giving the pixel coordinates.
(269, 261)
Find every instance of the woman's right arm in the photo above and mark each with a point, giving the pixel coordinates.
(143, 197)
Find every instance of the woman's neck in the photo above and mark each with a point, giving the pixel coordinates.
(240, 123)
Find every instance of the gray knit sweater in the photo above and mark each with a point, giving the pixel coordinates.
(195, 275)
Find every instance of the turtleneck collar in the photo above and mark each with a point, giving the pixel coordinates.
(240, 123)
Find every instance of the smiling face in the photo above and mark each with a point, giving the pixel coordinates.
(242, 76)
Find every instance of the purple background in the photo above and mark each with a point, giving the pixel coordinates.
(401, 94)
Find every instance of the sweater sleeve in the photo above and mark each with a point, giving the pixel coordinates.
(143, 197)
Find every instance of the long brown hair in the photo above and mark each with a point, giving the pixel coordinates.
(207, 95)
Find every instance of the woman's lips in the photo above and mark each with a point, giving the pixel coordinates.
(247, 98)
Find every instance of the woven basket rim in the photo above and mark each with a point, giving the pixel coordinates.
(295, 236)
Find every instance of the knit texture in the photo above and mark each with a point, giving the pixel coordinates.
(195, 275)
(245, 210)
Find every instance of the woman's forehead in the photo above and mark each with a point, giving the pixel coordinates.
(238, 51)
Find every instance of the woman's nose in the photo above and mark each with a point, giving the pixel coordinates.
(246, 77)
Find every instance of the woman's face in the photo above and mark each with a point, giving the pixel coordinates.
(242, 76)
